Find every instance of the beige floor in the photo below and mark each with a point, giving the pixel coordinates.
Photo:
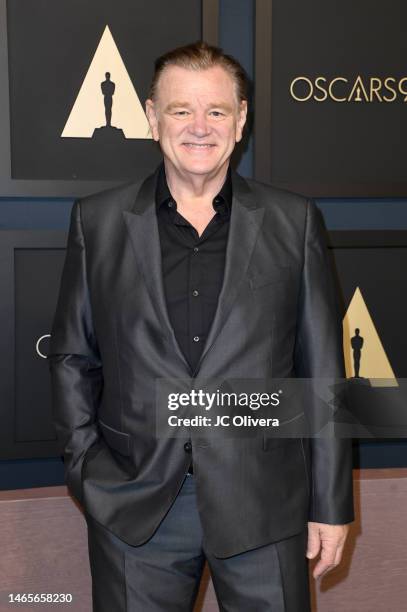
(43, 550)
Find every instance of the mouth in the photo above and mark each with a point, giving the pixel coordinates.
(195, 146)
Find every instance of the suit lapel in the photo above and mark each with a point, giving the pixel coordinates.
(142, 226)
(245, 222)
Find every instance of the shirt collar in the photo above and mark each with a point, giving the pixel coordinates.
(221, 203)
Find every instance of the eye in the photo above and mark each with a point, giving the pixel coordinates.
(181, 113)
(216, 113)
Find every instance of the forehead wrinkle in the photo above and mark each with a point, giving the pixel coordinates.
(180, 83)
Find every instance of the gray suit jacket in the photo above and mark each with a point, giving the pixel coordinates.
(112, 338)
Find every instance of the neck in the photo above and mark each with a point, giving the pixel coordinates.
(186, 187)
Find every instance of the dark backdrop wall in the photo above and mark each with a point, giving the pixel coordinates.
(236, 21)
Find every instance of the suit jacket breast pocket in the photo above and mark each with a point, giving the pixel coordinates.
(271, 276)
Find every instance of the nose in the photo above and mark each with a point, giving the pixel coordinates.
(199, 125)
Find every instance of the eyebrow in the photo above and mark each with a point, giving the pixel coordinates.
(177, 104)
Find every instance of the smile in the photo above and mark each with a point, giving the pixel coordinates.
(193, 145)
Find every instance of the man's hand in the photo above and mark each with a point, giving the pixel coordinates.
(330, 540)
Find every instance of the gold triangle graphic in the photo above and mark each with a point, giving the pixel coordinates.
(374, 363)
(88, 111)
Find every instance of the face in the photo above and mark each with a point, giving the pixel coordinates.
(197, 118)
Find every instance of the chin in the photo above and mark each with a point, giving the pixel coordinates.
(199, 166)
(196, 169)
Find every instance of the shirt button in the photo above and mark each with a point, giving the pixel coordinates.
(195, 293)
(188, 447)
(196, 249)
(170, 204)
(196, 338)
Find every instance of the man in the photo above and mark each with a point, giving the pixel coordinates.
(196, 273)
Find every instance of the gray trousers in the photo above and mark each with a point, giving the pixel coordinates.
(163, 574)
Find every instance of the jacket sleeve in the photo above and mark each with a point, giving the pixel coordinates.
(74, 361)
(319, 354)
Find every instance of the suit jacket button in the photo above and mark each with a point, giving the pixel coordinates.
(188, 447)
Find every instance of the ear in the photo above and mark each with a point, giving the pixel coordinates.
(241, 120)
(151, 113)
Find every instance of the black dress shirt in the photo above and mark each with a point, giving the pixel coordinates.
(192, 266)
